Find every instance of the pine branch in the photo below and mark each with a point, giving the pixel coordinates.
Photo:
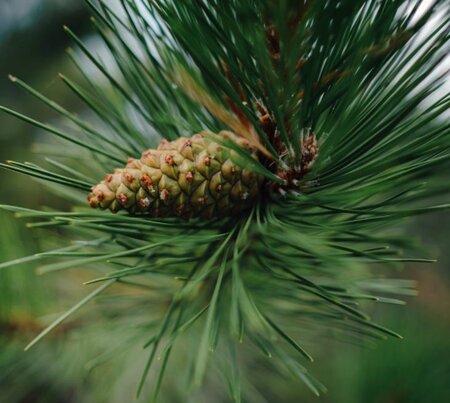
(335, 109)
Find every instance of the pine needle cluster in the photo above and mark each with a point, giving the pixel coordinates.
(342, 102)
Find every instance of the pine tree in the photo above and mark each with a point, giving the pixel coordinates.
(334, 111)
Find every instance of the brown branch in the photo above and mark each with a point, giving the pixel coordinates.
(28, 325)
(196, 92)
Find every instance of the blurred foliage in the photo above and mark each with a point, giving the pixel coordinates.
(22, 299)
(72, 365)
(32, 46)
(415, 370)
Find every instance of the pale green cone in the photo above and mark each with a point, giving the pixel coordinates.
(188, 177)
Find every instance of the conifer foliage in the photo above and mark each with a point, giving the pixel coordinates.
(333, 111)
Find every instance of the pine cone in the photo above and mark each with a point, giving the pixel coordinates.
(188, 177)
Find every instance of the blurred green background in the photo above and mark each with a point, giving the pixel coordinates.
(32, 47)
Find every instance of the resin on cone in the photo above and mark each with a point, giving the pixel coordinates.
(187, 177)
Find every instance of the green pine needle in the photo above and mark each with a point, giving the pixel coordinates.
(361, 77)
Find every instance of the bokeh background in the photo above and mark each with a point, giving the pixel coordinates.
(32, 47)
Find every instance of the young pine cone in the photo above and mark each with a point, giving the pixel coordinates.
(188, 177)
